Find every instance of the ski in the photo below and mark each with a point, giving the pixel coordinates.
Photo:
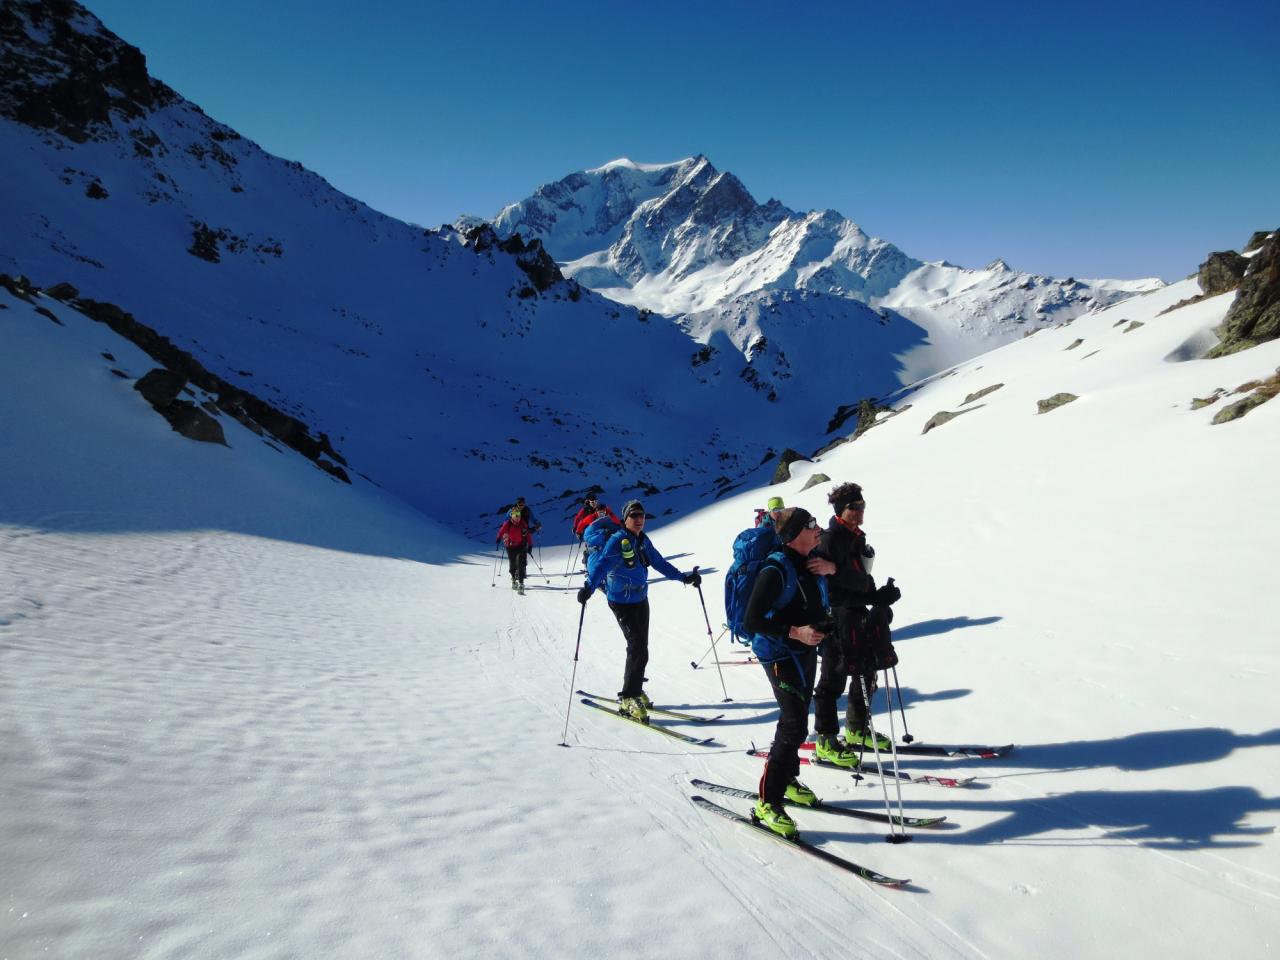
(915, 822)
(857, 869)
(674, 714)
(971, 751)
(727, 663)
(674, 734)
(877, 771)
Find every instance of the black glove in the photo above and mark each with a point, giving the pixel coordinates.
(693, 579)
(886, 657)
(886, 595)
(584, 593)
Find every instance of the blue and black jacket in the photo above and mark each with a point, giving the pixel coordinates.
(624, 567)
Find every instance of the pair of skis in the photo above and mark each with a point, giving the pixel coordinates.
(857, 869)
(876, 770)
(590, 699)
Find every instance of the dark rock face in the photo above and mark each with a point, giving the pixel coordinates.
(1223, 271)
(1254, 317)
(160, 388)
(105, 74)
(783, 472)
(64, 292)
(1257, 240)
(250, 410)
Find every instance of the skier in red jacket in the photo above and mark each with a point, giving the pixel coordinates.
(515, 535)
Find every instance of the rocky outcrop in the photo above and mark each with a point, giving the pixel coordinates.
(979, 394)
(816, 479)
(783, 471)
(253, 412)
(1222, 272)
(97, 74)
(1254, 317)
(160, 388)
(1054, 402)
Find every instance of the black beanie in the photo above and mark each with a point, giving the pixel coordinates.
(791, 522)
(844, 495)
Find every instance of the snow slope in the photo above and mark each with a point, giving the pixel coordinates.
(250, 711)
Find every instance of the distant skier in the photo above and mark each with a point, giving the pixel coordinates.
(787, 616)
(624, 568)
(861, 643)
(769, 515)
(527, 515)
(518, 539)
(592, 510)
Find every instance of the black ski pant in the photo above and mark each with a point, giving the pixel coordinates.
(844, 661)
(633, 619)
(516, 558)
(792, 682)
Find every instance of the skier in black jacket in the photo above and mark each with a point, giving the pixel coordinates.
(785, 635)
(861, 643)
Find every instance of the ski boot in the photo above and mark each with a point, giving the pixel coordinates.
(644, 700)
(520, 587)
(832, 750)
(513, 584)
(633, 708)
(861, 738)
(775, 819)
(800, 795)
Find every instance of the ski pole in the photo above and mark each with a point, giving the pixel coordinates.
(696, 664)
(906, 734)
(538, 562)
(893, 837)
(893, 745)
(564, 738)
(701, 600)
(497, 559)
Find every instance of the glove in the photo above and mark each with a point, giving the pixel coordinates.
(886, 657)
(584, 593)
(886, 595)
(693, 579)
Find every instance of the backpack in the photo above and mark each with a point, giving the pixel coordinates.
(750, 549)
(596, 536)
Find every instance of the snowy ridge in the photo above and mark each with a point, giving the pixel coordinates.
(368, 329)
(703, 243)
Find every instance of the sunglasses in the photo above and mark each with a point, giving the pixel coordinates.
(856, 505)
(635, 516)
(812, 524)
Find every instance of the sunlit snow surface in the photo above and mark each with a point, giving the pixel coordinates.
(249, 711)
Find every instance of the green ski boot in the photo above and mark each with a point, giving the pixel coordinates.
(775, 819)
(800, 795)
(832, 750)
(633, 708)
(863, 739)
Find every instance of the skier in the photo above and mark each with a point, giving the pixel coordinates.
(624, 566)
(769, 515)
(527, 515)
(592, 510)
(515, 535)
(861, 642)
(787, 618)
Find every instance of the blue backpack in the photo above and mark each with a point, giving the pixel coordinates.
(595, 537)
(750, 549)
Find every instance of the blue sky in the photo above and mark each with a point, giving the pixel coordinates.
(1086, 139)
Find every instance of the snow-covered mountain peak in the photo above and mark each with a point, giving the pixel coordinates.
(689, 238)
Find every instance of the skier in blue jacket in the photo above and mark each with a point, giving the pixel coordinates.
(624, 569)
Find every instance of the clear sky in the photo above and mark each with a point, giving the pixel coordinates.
(1118, 139)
